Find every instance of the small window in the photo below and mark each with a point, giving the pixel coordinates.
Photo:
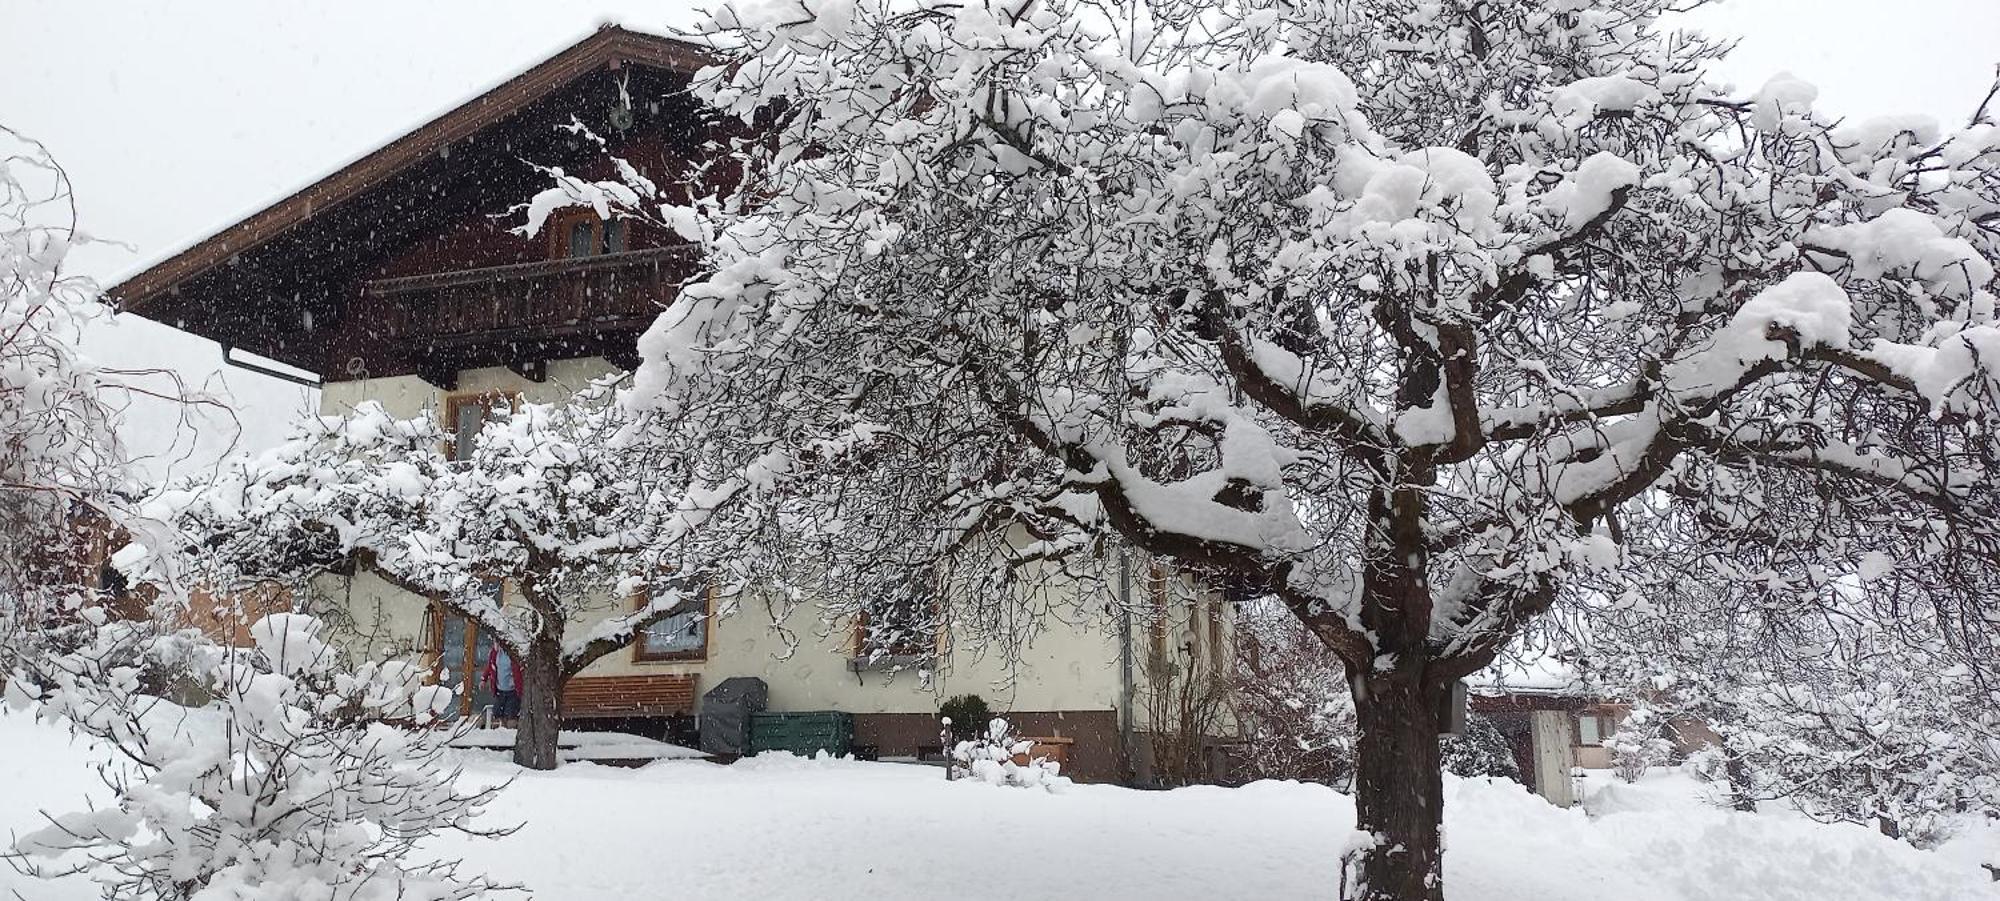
(902, 623)
(582, 238)
(682, 636)
(1588, 730)
(577, 232)
(467, 415)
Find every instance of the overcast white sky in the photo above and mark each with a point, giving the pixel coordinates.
(176, 120)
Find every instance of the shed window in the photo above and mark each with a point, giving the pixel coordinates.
(467, 415)
(1588, 731)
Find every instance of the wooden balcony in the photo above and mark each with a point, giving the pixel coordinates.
(525, 314)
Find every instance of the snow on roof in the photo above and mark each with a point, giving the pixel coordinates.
(1528, 675)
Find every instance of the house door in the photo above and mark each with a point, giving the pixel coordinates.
(462, 652)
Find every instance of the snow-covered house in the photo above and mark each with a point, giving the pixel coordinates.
(398, 279)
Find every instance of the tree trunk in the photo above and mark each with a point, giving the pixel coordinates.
(541, 706)
(1741, 794)
(1398, 791)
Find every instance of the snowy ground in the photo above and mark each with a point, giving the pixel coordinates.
(576, 745)
(785, 828)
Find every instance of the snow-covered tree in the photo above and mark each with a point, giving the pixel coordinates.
(543, 501)
(1481, 751)
(60, 458)
(283, 777)
(1293, 708)
(1850, 714)
(1871, 744)
(1422, 319)
(1638, 745)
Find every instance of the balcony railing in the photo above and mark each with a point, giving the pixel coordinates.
(540, 301)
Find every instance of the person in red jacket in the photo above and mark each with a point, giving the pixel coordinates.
(503, 677)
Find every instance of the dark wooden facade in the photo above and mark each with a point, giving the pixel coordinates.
(408, 261)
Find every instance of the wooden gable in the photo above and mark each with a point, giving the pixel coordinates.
(404, 262)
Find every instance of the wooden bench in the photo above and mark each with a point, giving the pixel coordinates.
(1053, 747)
(587, 697)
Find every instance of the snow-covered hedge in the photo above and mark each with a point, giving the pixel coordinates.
(275, 776)
(995, 758)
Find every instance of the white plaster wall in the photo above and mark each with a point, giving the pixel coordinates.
(1069, 666)
(407, 395)
(372, 619)
(1072, 664)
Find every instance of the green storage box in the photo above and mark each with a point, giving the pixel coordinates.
(804, 733)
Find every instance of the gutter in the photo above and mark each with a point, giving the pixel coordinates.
(1127, 738)
(309, 380)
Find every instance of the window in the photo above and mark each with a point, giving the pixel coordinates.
(466, 415)
(682, 636)
(458, 650)
(1588, 730)
(582, 239)
(579, 232)
(901, 623)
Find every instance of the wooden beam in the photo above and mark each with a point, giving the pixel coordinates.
(441, 373)
(536, 371)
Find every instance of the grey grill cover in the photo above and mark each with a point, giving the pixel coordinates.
(725, 714)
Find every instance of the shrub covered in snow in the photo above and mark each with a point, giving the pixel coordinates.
(1001, 757)
(1638, 746)
(962, 715)
(61, 462)
(1481, 751)
(280, 777)
(1292, 703)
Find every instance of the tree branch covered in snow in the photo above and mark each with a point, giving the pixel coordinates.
(285, 777)
(544, 501)
(60, 458)
(1424, 320)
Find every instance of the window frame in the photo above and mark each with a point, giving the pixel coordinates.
(561, 222)
(864, 657)
(640, 653)
(468, 664)
(453, 403)
(1596, 726)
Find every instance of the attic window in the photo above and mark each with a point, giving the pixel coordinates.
(579, 233)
